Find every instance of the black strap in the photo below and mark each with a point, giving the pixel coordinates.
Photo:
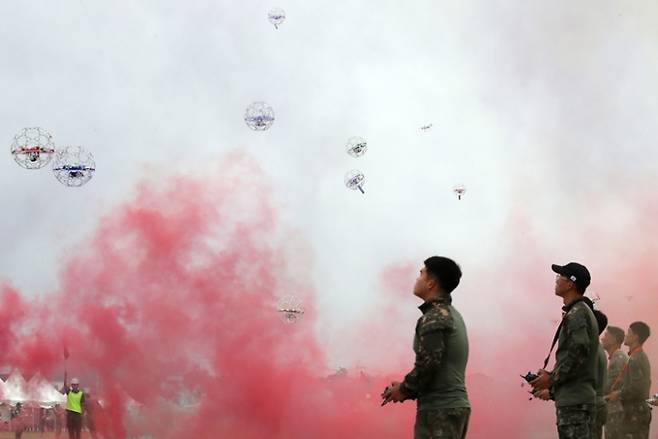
(555, 338)
(589, 303)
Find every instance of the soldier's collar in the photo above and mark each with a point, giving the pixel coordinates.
(446, 300)
(611, 355)
(635, 351)
(588, 302)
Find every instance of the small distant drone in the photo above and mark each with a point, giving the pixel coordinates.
(73, 166)
(33, 148)
(259, 116)
(426, 127)
(290, 308)
(356, 146)
(276, 16)
(354, 180)
(459, 190)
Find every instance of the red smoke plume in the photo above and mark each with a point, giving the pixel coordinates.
(176, 294)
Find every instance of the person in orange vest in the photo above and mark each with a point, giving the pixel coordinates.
(75, 402)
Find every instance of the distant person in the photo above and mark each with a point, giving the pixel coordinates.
(612, 340)
(60, 419)
(92, 411)
(43, 419)
(75, 400)
(18, 420)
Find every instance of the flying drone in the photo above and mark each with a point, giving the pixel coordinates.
(33, 148)
(73, 166)
(354, 180)
(259, 116)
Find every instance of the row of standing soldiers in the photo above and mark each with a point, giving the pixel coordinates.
(596, 387)
(625, 409)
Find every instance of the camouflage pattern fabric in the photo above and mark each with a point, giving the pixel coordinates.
(637, 419)
(600, 418)
(614, 425)
(575, 422)
(449, 423)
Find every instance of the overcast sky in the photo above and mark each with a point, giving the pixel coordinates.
(534, 106)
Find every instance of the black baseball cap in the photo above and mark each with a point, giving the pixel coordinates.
(576, 273)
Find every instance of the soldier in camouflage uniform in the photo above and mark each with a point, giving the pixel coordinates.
(572, 381)
(441, 347)
(617, 359)
(601, 416)
(635, 384)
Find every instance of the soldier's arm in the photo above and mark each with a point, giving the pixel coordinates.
(577, 350)
(432, 346)
(631, 389)
(617, 363)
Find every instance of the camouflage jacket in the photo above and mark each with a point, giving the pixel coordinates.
(636, 383)
(441, 348)
(616, 364)
(573, 379)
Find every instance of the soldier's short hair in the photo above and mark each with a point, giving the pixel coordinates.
(601, 320)
(617, 333)
(445, 270)
(642, 330)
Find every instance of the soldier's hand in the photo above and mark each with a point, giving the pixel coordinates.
(396, 394)
(543, 381)
(386, 395)
(544, 394)
(613, 396)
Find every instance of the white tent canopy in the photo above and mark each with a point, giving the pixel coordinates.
(15, 388)
(41, 391)
(38, 390)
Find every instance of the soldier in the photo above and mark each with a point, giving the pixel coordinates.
(441, 347)
(635, 384)
(572, 381)
(617, 359)
(601, 415)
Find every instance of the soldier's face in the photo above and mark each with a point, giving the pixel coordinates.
(420, 287)
(631, 338)
(562, 285)
(607, 340)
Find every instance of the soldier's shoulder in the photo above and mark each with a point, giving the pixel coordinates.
(619, 357)
(579, 314)
(436, 318)
(580, 308)
(642, 357)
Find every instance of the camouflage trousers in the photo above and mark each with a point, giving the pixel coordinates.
(600, 418)
(442, 423)
(614, 425)
(575, 421)
(637, 419)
